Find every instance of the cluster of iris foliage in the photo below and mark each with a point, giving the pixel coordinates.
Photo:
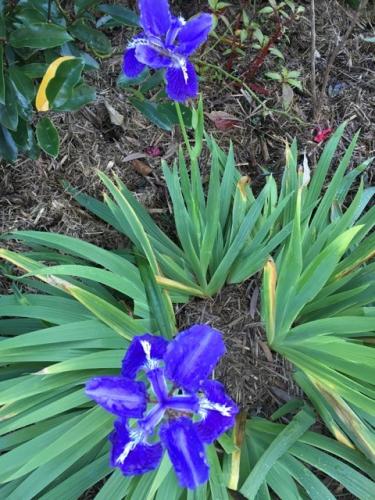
(159, 425)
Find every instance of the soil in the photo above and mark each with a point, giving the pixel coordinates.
(257, 378)
(32, 196)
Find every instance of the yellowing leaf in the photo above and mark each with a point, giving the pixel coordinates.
(269, 298)
(41, 102)
(176, 285)
(241, 186)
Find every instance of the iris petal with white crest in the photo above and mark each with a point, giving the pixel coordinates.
(218, 412)
(144, 351)
(132, 454)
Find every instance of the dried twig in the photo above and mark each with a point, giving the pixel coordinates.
(313, 56)
(339, 45)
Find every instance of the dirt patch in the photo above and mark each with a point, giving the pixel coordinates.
(257, 378)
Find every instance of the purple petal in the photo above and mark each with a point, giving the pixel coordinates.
(151, 57)
(131, 455)
(182, 83)
(176, 25)
(194, 33)
(152, 419)
(130, 64)
(186, 452)
(218, 411)
(136, 357)
(118, 395)
(158, 383)
(184, 403)
(155, 16)
(192, 355)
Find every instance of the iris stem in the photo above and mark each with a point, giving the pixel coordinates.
(183, 127)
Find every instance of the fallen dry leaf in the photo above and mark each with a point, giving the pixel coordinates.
(134, 156)
(141, 167)
(223, 120)
(288, 96)
(266, 350)
(115, 117)
(259, 89)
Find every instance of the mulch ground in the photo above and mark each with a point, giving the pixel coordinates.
(32, 196)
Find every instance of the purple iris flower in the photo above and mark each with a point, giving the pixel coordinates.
(167, 42)
(179, 403)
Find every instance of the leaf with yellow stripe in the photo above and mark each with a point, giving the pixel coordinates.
(41, 101)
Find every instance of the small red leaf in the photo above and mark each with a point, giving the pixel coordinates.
(259, 89)
(322, 135)
(153, 151)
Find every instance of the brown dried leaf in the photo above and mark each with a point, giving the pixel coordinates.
(223, 120)
(134, 156)
(266, 350)
(288, 96)
(141, 167)
(115, 117)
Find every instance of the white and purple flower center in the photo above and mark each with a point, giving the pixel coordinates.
(169, 403)
(165, 48)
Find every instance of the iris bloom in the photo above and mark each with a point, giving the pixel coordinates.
(174, 401)
(167, 42)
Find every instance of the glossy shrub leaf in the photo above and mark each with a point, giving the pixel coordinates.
(23, 104)
(8, 147)
(20, 135)
(8, 111)
(60, 88)
(2, 21)
(22, 82)
(124, 81)
(24, 138)
(152, 112)
(41, 101)
(69, 49)
(39, 36)
(82, 94)
(2, 82)
(34, 70)
(47, 136)
(97, 41)
(29, 15)
(120, 14)
(153, 81)
(23, 135)
(82, 5)
(169, 110)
